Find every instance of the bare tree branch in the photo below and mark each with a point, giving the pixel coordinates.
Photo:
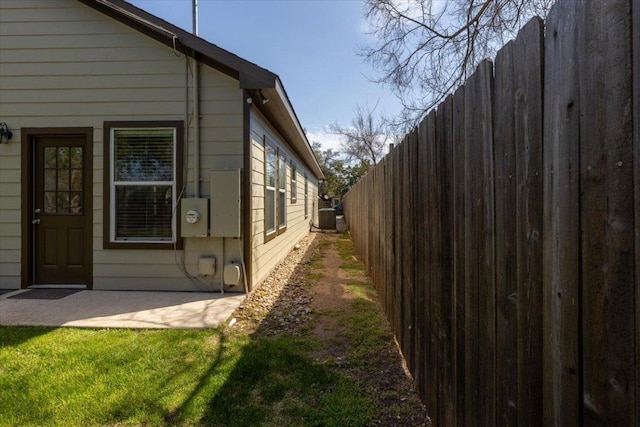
(426, 48)
(364, 141)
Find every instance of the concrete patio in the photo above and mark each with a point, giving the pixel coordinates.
(118, 309)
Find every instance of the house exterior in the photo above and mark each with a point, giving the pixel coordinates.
(142, 156)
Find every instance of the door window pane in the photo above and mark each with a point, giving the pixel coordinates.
(63, 202)
(50, 202)
(50, 157)
(63, 180)
(50, 180)
(76, 179)
(63, 157)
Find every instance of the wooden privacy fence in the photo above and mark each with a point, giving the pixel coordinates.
(503, 234)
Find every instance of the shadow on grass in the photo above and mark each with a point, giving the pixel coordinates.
(275, 381)
(14, 336)
(275, 385)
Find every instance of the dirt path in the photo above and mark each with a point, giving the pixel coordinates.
(321, 291)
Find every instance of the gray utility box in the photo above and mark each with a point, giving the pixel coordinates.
(225, 203)
(327, 219)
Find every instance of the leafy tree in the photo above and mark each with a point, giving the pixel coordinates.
(426, 48)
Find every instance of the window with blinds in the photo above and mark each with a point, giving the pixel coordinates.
(270, 189)
(282, 187)
(143, 184)
(294, 182)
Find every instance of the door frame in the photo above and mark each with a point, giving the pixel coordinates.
(27, 138)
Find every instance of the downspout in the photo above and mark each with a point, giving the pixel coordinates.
(196, 109)
(196, 127)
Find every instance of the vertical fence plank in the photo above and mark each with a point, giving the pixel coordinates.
(506, 239)
(636, 155)
(479, 245)
(446, 354)
(528, 72)
(431, 294)
(472, 153)
(458, 237)
(459, 250)
(397, 236)
(561, 225)
(607, 211)
(421, 282)
(434, 265)
(408, 261)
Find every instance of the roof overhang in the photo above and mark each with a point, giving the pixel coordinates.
(250, 76)
(280, 113)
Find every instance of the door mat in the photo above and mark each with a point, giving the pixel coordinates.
(45, 294)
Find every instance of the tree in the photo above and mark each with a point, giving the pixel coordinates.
(365, 140)
(427, 48)
(339, 176)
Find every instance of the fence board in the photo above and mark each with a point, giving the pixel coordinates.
(506, 238)
(528, 83)
(458, 238)
(479, 245)
(561, 227)
(446, 354)
(422, 283)
(408, 211)
(431, 292)
(607, 212)
(636, 155)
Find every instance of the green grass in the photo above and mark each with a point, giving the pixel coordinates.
(312, 277)
(215, 377)
(76, 377)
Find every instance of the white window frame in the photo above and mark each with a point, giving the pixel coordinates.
(293, 167)
(112, 188)
(306, 196)
(269, 188)
(282, 191)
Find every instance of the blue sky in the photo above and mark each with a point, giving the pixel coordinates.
(312, 45)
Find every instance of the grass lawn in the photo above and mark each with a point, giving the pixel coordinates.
(76, 377)
(216, 377)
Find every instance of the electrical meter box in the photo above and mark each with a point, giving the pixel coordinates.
(194, 217)
(225, 203)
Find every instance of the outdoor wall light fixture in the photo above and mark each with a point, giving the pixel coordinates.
(262, 97)
(5, 133)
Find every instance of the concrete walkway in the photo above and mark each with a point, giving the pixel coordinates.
(121, 309)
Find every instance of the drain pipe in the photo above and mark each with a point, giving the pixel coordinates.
(196, 109)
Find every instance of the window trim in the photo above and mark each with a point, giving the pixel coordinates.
(269, 235)
(306, 196)
(108, 216)
(280, 191)
(294, 181)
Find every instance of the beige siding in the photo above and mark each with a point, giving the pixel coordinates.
(267, 255)
(63, 64)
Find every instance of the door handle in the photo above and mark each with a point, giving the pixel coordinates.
(35, 221)
(36, 211)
